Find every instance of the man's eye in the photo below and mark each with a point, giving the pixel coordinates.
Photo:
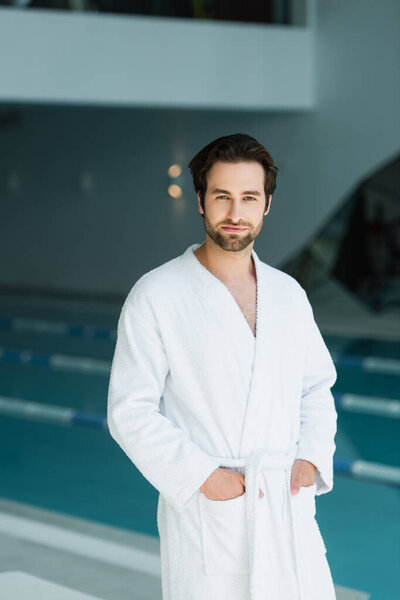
(251, 197)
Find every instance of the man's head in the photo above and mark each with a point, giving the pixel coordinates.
(234, 177)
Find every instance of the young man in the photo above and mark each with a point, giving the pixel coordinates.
(220, 395)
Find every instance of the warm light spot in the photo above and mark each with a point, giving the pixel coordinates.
(174, 170)
(175, 191)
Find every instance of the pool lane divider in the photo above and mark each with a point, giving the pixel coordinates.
(42, 326)
(62, 362)
(50, 413)
(368, 471)
(368, 364)
(380, 407)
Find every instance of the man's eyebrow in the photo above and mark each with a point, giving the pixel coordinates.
(250, 192)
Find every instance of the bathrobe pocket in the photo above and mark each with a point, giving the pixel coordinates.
(224, 535)
(305, 499)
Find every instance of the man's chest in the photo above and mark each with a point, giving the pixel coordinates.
(246, 298)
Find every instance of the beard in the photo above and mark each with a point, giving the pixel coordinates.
(232, 242)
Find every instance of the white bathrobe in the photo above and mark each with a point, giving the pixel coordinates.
(191, 389)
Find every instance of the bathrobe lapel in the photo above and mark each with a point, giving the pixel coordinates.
(271, 336)
(240, 341)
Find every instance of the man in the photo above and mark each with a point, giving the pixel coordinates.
(220, 395)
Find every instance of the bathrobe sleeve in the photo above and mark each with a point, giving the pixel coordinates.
(161, 451)
(318, 415)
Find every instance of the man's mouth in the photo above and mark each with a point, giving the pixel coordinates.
(233, 229)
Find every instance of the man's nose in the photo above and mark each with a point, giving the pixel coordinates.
(234, 212)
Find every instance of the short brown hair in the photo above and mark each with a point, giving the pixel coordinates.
(237, 147)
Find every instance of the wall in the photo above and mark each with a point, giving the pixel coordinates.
(54, 235)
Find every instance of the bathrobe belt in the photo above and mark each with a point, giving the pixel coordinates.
(257, 461)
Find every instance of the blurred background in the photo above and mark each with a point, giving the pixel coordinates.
(102, 105)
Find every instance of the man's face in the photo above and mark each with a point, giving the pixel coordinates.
(235, 196)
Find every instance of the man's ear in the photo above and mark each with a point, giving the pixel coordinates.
(199, 204)
(269, 204)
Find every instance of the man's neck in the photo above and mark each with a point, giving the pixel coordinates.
(228, 266)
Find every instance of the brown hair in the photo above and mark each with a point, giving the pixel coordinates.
(237, 147)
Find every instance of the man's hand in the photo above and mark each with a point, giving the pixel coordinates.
(224, 484)
(303, 474)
